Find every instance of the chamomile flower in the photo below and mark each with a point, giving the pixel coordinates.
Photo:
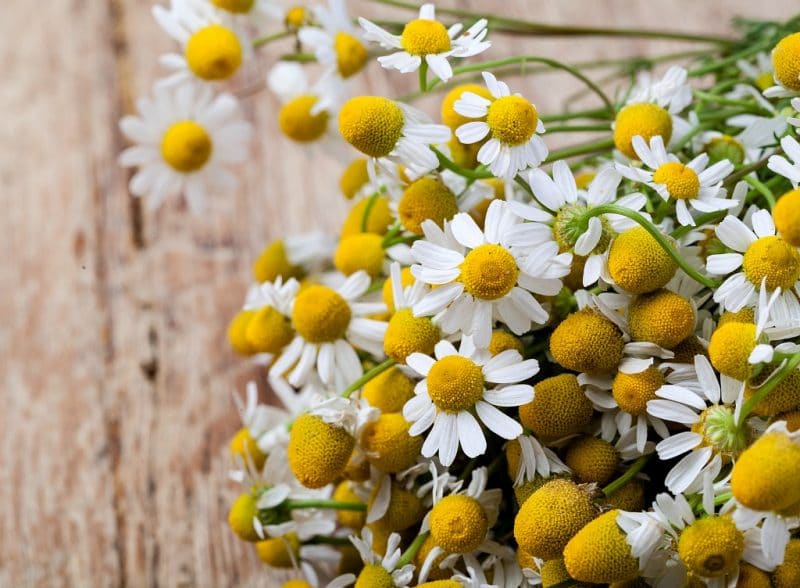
(387, 130)
(329, 323)
(786, 67)
(185, 139)
(482, 274)
(426, 38)
(758, 70)
(378, 570)
(692, 184)
(763, 260)
(213, 51)
(457, 386)
(512, 124)
(336, 42)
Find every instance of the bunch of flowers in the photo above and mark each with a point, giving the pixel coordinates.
(515, 366)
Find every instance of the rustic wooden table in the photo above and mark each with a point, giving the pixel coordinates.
(116, 378)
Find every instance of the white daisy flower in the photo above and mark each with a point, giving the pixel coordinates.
(185, 140)
(759, 70)
(672, 91)
(428, 39)
(212, 49)
(483, 275)
(378, 570)
(329, 324)
(457, 386)
(760, 260)
(336, 43)
(692, 183)
(512, 125)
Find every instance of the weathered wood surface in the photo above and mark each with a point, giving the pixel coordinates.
(116, 380)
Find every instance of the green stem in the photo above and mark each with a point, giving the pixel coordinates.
(367, 210)
(733, 178)
(703, 219)
(261, 41)
(731, 59)
(772, 382)
(634, 469)
(577, 128)
(412, 550)
(662, 239)
(455, 168)
(762, 189)
(369, 375)
(321, 503)
(583, 149)
(723, 498)
(596, 113)
(709, 97)
(423, 78)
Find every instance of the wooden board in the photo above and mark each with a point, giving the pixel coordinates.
(116, 379)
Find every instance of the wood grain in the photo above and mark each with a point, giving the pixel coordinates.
(116, 377)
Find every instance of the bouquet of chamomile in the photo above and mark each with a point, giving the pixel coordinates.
(515, 365)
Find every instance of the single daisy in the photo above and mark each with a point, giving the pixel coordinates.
(482, 275)
(185, 140)
(457, 386)
(512, 124)
(692, 184)
(336, 41)
(330, 324)
(212, 49)
(426, 38)
(379, 570)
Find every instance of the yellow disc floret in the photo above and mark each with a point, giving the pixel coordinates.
(749, 575)
(371, 124)
(661, 317)
(354, 177)
(503, 341)
(241, 515)
(765, 477)
(374, 576)
(449, 116)
(425, 37)
(368, 218)
(296, 17)
(630, 497)
(783, 398)
(426, 199)
(786, 61)
(729, 349)
(273, 263)
(787, 575)
(638, 263)
(407, 334)
(680, 180)
(441, 584)
(458, 523)
(186, 146)
(773, 259)
(436, 573)
(550, 517)
(320, 314)
(214, 53)
(645, 119)
(554, 573)
(711, 547)
(318, 452)
(389, 391)
(296, 584)
(279, 552)
(559, 408)
(405, 509)
(455, 383)
(360, 252)
(786, 215)
(237, 332)
(353, 519)
(298, 121)
(269, 331)
(351, 54)
(599, 552)
(592, 459)
(236, 6)
(388, 445)
(245, 447)
(512, 120)
(588, 342)
(489, 272)
(633, 391)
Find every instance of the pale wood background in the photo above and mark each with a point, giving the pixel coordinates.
(116, 379)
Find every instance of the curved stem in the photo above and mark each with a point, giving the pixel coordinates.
(773, 382)
(761, 189)
(455, 168)
(261, 41)
(412, 550)
(367, 210)
(369, 375)
(660, 238)
(321, 503)
(634, 469)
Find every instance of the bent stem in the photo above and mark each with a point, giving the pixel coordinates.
(412, 550)
(634, 469)
(772, 382)
(369, 375)
(261, 41)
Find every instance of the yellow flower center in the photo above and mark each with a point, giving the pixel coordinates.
(645, 119)
(729, 349)
(489, 272)
(297, 122)
(559, 408)
(214, 53)
(774, 259)
(353, 519)
(405, 509)
(389, 391)
(320, 314)
(599, 553)
(785, 397)
(587, 342)
(764, 81)
(237, 332)
(458, 523)
(426, 199)
(503, 341)
(746, 315)
(379, 217)
(374, 576)
(633, 391)
(354, 177)
(186, 146)
(455, 383)
(592, 460)
(449, 116)
(765, 475)
(318, 452)
(279, 552)
(425, 37)
(245, 447)
(637, 262)
(269, 331)
(371, 124)
(296, 17)
(786, 215)
(351, 55)
(273, 263)
(711, 547)
(681, 181)
(236, 6)
(388, 445)
(786, 61)
(363, 251)
(436, 574)
(407, 334)
(240, 517)
(512, 120)
(296, 584)
(661, 317)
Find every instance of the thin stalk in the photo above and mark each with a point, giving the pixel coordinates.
(703, 219)
(367, 210)
(412, 550)
(634, 469)
(731, 59)
(577, 128)
(583, 149)
(762, 189)
(772, 382)
(322, 503)
(423, 78)
(733, 178)
(261, 41)
(714, 98)
(369, 375)
(453, 167)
